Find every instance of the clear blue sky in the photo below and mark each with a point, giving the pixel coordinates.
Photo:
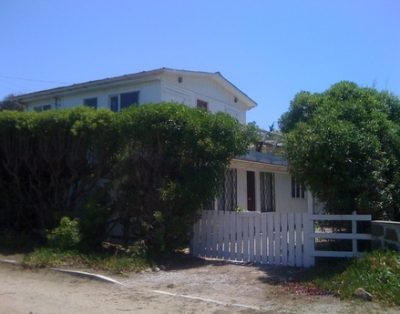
(269, 49)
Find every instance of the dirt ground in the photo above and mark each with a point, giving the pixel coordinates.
(197, 287)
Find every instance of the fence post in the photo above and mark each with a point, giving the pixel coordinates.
(310, 202)
(354, 232)
(308, 230)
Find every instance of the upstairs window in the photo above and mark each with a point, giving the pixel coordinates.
(90, 102)
(129, 99)
(123, 100)
(297, 189)
(42, 108)
(201, 104)
(114, 103)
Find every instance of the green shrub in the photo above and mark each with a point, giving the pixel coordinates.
(378, 272)
(13, 242)
(66, 235)
(52, 160)
(48, 257)
(173, 161)
(155, 164)
(93, 219)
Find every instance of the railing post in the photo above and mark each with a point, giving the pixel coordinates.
(354, 232)
(308, 225)
(310, 203)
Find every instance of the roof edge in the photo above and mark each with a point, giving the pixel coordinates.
(250, 103)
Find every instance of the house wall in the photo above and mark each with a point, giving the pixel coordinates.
(149, 92)
(193, 87)
(241, 188)
(164, 87)
(284, 202)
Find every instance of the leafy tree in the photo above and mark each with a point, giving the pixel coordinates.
(344, 144)
(301, 109)
(11, 103)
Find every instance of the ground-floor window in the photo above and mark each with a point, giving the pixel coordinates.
(227, 200)
(297, 189)
(267, 191)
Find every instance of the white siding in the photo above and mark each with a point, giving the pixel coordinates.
(164, 87)
(149, 92)
(283, 196)
(197, 87)
(242, 188)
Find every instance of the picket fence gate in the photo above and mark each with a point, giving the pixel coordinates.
(269, 238)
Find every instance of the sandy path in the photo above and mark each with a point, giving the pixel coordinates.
(204, 288)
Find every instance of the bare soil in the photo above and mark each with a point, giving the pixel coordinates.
(193, 287)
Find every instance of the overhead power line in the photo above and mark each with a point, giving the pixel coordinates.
(31, 80)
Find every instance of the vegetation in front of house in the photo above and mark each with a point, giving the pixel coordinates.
(377, 272)
(11, 103)
(51, 163)
(147, 168)
(344, 144)
(172, 164)
(64, 247)
(118, 263)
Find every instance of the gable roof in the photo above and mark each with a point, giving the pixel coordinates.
(136, 77)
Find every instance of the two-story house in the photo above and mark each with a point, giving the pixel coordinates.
(255, 182)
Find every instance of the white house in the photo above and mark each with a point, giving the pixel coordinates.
(256, 182)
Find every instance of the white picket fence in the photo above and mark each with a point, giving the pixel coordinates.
(269, 238)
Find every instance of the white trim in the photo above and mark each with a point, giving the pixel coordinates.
(244, 164)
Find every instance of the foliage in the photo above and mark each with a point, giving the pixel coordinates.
(240, 209)
(10, 102)
(301, 109)
(378, 272)
(173, 161)
(94, 218)
(12, 241)
(149, 167)
(344, 144)
(52, 160)
(49, 257)
(66, 235)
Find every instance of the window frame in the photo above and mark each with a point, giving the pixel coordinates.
(227, 198)
(297, 188)
(41, 108)
(202, 104)
(137, 93)
(110, 97)
(267, 192)
(118, 97)
(86, 102)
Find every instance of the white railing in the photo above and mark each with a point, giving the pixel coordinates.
(268, 238)
(354, 236)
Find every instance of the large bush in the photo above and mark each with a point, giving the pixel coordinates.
(173, 162)
(150, 167)
(344, 144)
(50, 162)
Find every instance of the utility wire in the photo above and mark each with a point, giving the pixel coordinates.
(30, 79)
